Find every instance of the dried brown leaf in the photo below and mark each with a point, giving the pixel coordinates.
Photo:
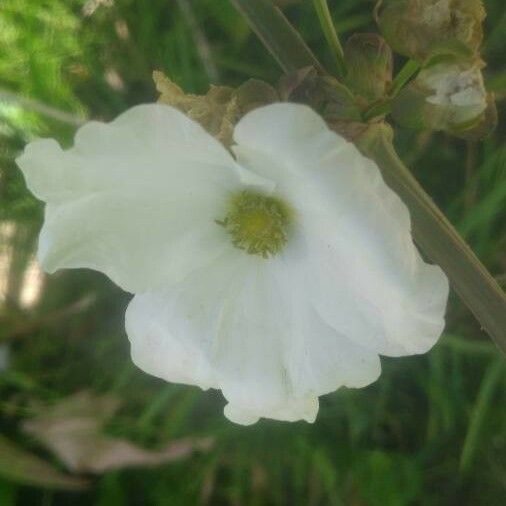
(73, 431)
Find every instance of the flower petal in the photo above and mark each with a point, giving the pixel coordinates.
(245, 325)
(172, 332)
(213, 330)
(249, 350)
(364, 274)
(368, 291)
(132, 197)
(151, 143)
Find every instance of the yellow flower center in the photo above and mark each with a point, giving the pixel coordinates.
(257, 223)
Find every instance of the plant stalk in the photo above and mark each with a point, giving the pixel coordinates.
(404, 75)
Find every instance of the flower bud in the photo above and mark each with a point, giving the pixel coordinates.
(421, 28)
(252, 94)
(323, 93)
(369, 64)
(448, 96)
(456, 90)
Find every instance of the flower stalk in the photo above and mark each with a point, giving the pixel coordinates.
(407, 71)
(410, 68)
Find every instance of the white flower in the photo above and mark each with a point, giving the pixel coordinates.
(459, 89)
(277, 276)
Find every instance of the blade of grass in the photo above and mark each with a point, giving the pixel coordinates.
(201, 43)
(404, 75)
(474, 348)
(277, 34)
(329, 30)
(19, 466)
(41, 108)
(483, 401)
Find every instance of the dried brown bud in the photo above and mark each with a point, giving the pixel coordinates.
(220, 108)
(422, 28)
(323, 93)
(369, 65)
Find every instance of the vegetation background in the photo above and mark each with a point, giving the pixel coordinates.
(430, 431)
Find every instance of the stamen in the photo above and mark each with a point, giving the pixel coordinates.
(257, 223)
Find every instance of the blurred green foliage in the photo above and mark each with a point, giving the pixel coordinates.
(431, 431)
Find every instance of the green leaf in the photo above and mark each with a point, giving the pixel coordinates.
(439, 240)
(277, 34)
(20, 466)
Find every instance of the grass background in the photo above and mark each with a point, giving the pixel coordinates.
(431, 431)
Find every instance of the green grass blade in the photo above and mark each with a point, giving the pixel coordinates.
(483, 401)
(329, 30)
(19, 466)
(277, 34)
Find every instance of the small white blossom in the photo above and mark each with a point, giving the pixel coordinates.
(276, 276)
(459, 89)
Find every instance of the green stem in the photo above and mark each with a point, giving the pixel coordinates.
(277, 34)
(384, 106)
(439, 240)
(378, 109)
(329, 30)
(404, 75)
